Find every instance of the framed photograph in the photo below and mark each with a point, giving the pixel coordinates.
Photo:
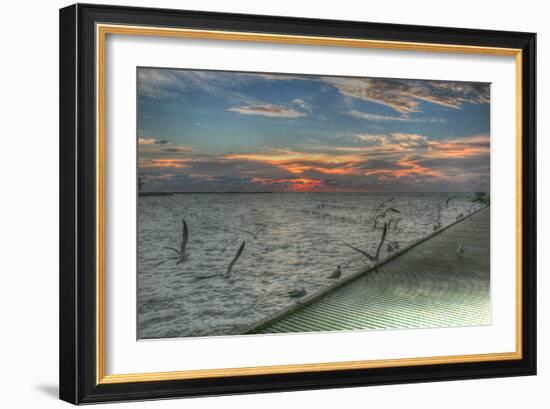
(257, 203)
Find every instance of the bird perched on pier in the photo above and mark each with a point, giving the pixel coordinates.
(460, 249)
(298, 293)
(336, 273)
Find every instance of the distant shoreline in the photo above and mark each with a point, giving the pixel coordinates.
(240, 193)
(194, 193)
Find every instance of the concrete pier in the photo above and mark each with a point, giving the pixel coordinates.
(431, 283)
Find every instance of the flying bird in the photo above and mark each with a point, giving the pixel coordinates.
(181, 255)
(384, 213)
(237, 255)
(227, 273)
(376, 257)
(363, 252)
(384, 203)
(395, 223)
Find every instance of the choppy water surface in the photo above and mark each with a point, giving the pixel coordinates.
(293, 241)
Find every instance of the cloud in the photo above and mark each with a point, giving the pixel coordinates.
(405, 167)
(376, 162)
(310, 155)
(302, 104)
(152, 141)
(404, 96)
(270, 110)
(280, 77)
(397, 141)
(164, 163)
(291, 184)
(384, 118)
(176, 150)
(158, 83)
(459, 147)
(298, 162)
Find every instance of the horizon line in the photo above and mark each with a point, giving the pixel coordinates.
(332, 191)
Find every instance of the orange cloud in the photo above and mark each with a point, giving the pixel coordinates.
(459, 147)
(383, 157)
(298, 168)
(293, 185)
(299, 162)
(276, 156)
(407, 167)
(164, 163)
(413, 167)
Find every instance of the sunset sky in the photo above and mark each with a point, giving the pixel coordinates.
(214, 131)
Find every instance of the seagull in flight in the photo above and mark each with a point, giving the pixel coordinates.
(227, 273)
(181, 255)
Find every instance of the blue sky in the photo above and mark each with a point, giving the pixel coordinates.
(228, 131)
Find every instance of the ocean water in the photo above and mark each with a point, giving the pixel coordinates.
(292, 241)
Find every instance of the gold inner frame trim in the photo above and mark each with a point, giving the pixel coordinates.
(101, 33)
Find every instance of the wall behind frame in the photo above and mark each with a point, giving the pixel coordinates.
(29, 206)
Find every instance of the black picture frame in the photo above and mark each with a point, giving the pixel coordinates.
(78, 360)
